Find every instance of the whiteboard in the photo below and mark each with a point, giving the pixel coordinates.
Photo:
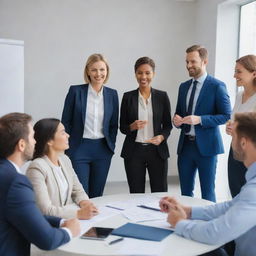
(11, 76)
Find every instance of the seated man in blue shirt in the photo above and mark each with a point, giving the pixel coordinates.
(231, 220)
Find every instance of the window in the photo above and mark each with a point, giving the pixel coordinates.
(247, 42)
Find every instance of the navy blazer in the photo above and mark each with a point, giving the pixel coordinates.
(213, 106)
(162, 123)
(74, 113)
(21, 222)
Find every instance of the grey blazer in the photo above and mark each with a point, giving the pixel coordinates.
(48, 198)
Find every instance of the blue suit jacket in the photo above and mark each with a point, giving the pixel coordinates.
(74, 112)
(161, 120)
(213, 106)
(21, 222)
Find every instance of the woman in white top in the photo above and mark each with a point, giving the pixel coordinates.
(245, 75)
(57, 188)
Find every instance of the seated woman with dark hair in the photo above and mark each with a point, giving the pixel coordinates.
(57, 188)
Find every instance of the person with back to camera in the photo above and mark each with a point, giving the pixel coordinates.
(245, 75)
(57, 188)
(90, 117)
(145, 120)
(21, 222)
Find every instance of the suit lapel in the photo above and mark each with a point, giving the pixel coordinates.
(184, 101)
(155, 108)
(135, 99)
(65, 172)
(107, 104)
(202, 92)
(83, 97)
(51, 167)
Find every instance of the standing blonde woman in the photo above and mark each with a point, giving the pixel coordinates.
(245, 75)
(90, 116)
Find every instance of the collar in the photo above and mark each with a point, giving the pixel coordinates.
(251, 172)
(91, 90)
(141, 97)
(200, 79)
(16, 167)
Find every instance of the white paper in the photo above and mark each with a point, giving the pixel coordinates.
(104, 213)
(138, 214)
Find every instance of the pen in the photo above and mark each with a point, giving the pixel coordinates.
(149, 208)
(116, 241)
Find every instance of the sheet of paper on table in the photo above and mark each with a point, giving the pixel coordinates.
(104, 213)
(141, 200)
(138, 214)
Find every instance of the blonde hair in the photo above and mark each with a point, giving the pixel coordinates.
(92, 59)
(249, 63)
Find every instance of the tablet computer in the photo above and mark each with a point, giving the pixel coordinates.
(97, 233)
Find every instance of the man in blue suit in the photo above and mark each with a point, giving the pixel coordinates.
(203, 104)
(21, 222)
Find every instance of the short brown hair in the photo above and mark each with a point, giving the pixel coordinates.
(249, 63)
(142, 61)
(13, 127)
(92, 59)
(246, 125)
(203, 53)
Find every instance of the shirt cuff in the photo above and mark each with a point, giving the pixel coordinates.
(180, 227)
(196, 213)
(67, 230)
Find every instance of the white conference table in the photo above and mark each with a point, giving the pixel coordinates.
(172, 245)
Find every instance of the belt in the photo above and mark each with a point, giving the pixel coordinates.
(190, 137)
(143, 144)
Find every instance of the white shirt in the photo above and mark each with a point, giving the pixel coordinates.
(62, 182)
(93, 127)
(248, 106)
(200, 82)
(145, 114)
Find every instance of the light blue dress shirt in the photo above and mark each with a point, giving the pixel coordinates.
(200, 82)
(223, 222)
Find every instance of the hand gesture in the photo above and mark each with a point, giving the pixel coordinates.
(137, 125)
(73, 225)
(87, 211)
(191, 120)
(156, 140)
(177, 120)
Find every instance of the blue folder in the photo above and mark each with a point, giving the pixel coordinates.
(142, 232)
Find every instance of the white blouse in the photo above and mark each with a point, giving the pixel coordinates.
(248, 106)
(145, 114)
(62, 182)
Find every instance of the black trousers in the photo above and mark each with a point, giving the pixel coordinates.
(236, 174)
(145, 157)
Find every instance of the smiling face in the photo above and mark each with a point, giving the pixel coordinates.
(60, 141)
(243, 76)
(195, 65)
(97, 72)
(144, 75)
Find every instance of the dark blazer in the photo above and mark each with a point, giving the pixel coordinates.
(161, 120)
(21, 222)
(213, 105)
(74, 112)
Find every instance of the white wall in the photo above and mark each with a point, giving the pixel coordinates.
(59, 35)
(11, 76)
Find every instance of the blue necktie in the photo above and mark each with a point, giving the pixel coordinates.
(190, 105)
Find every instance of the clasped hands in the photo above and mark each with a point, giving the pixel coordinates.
(191, 120)
(139, 124)
(176, 211)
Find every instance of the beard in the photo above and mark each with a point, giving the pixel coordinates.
(238, 154)
(28, 153)
(194, 72)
